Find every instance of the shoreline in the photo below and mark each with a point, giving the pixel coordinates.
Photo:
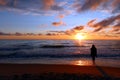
(19, 69)
(64, 61)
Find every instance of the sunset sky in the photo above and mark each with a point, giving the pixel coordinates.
(59, 19)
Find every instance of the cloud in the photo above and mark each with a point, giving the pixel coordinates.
(2, 2)
(61, 23)
(110, 35)
(74, 30)
(92, 4)
(51, 5)
(109, 5)
(2, 33)
(55, 33)
(118, 33)
(116, 27)
(90, 23)
(116, 6)
(57, 8)
(48, 4)
(61, 16)
(113, 21)
(34, 6)
(49, 34)
(88, 5)
(18, 34)
(47, 7)
(78, 28)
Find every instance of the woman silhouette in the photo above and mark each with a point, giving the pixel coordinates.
(93, 53)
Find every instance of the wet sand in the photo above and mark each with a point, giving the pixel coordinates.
(37, 69)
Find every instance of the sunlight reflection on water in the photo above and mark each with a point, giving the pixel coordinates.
(83, 62)
(99, 62)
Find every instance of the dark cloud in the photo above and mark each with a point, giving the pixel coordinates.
(49, 34)
(35, 6)
(50, 6)
(116, 6)
(2, 2)
(57, 8)
(18, 34)
(2, 33)
(85, 5)
(88, 4)
(55, 33)
(30, 34)
(92, 4)
(112, 21)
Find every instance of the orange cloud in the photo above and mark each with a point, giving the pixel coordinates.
(58, 23)
(91, 22)
(51, 5)
(48, 4)
(61, 16)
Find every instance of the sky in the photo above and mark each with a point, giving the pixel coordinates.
(59, 19)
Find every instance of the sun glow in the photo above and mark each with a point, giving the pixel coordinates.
(83, 62)
(79, 36)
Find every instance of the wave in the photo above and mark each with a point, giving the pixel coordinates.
(9, 49)
(24, 55)
(60, 46)
(16, 47)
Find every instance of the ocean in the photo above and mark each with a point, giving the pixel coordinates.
(72, 52)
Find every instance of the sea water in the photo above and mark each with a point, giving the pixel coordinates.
(73, 52)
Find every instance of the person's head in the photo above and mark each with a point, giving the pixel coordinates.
(93, 46)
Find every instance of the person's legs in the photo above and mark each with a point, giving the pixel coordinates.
(93, 59)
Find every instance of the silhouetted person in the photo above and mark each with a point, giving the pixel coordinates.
(93, 53)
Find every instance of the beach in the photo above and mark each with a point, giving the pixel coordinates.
(36, 70)
(58, 60)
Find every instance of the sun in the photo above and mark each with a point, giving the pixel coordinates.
(79, 36)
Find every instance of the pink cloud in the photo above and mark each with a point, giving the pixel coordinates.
(3, 2)
(113, 21)
(74, 30)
